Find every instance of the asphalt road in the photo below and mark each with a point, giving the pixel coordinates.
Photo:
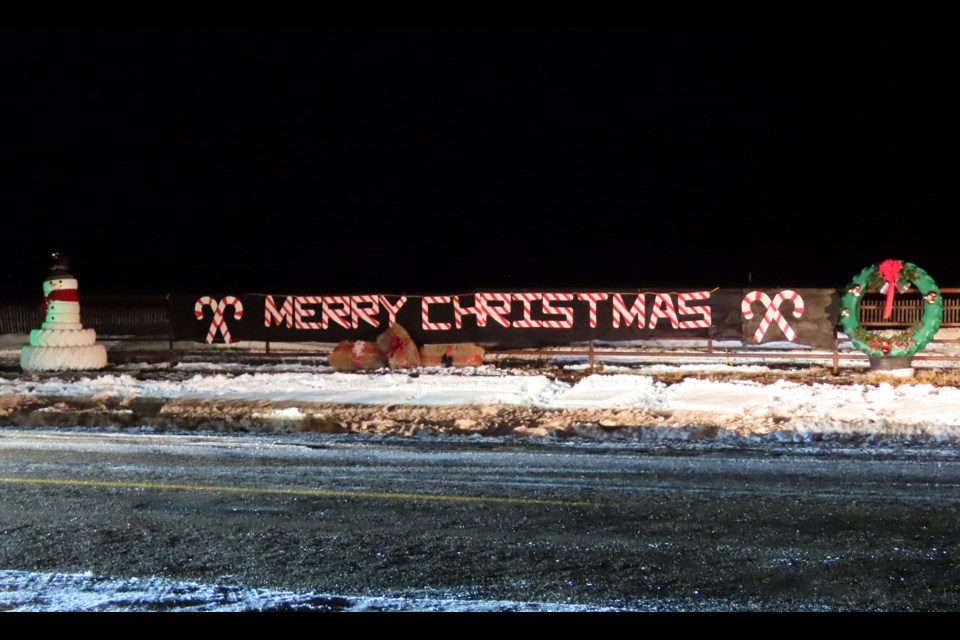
(685, 528)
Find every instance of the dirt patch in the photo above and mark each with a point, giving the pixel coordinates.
(256, 416)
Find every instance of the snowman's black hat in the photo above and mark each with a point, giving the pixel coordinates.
(60, 268)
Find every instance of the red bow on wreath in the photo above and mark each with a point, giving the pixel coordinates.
(890, 271)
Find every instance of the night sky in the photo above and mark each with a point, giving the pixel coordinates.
(444, 161)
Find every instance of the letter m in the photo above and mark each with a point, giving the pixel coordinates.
(629, 316)
(284, 315)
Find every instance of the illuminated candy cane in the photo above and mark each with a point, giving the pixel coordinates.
(204, 301)
(218, 324)
(772, 312)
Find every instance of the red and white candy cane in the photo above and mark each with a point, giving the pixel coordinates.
(218, 324)
(772, 314)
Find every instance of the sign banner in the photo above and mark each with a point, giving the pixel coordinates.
(802, 316)
(514, 319)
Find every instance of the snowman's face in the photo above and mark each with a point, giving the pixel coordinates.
(56, 284)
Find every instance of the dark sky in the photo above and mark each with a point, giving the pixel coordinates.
(366, 161)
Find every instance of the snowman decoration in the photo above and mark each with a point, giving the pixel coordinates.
(62, 343)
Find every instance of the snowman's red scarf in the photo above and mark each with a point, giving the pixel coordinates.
(61, 295)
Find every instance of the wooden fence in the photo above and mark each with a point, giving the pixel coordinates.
(908, 309)
(134, 317)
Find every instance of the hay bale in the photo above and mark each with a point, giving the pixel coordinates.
(398, 348)
(356, 356)
(460, 354)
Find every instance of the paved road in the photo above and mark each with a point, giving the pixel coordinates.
(484, 519)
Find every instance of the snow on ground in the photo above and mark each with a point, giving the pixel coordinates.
(23, 591)
(810, 411)
(817, 407)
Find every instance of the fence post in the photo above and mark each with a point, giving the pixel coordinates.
(836, 354)
(169, 312)
(591, 356)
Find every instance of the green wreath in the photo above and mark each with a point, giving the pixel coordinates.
(904, 343)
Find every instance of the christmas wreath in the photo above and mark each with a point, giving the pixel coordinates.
(888, 277)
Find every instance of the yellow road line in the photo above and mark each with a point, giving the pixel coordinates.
(294, 492)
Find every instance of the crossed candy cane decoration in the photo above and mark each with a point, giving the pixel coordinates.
(218, 323)
(773, 311)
